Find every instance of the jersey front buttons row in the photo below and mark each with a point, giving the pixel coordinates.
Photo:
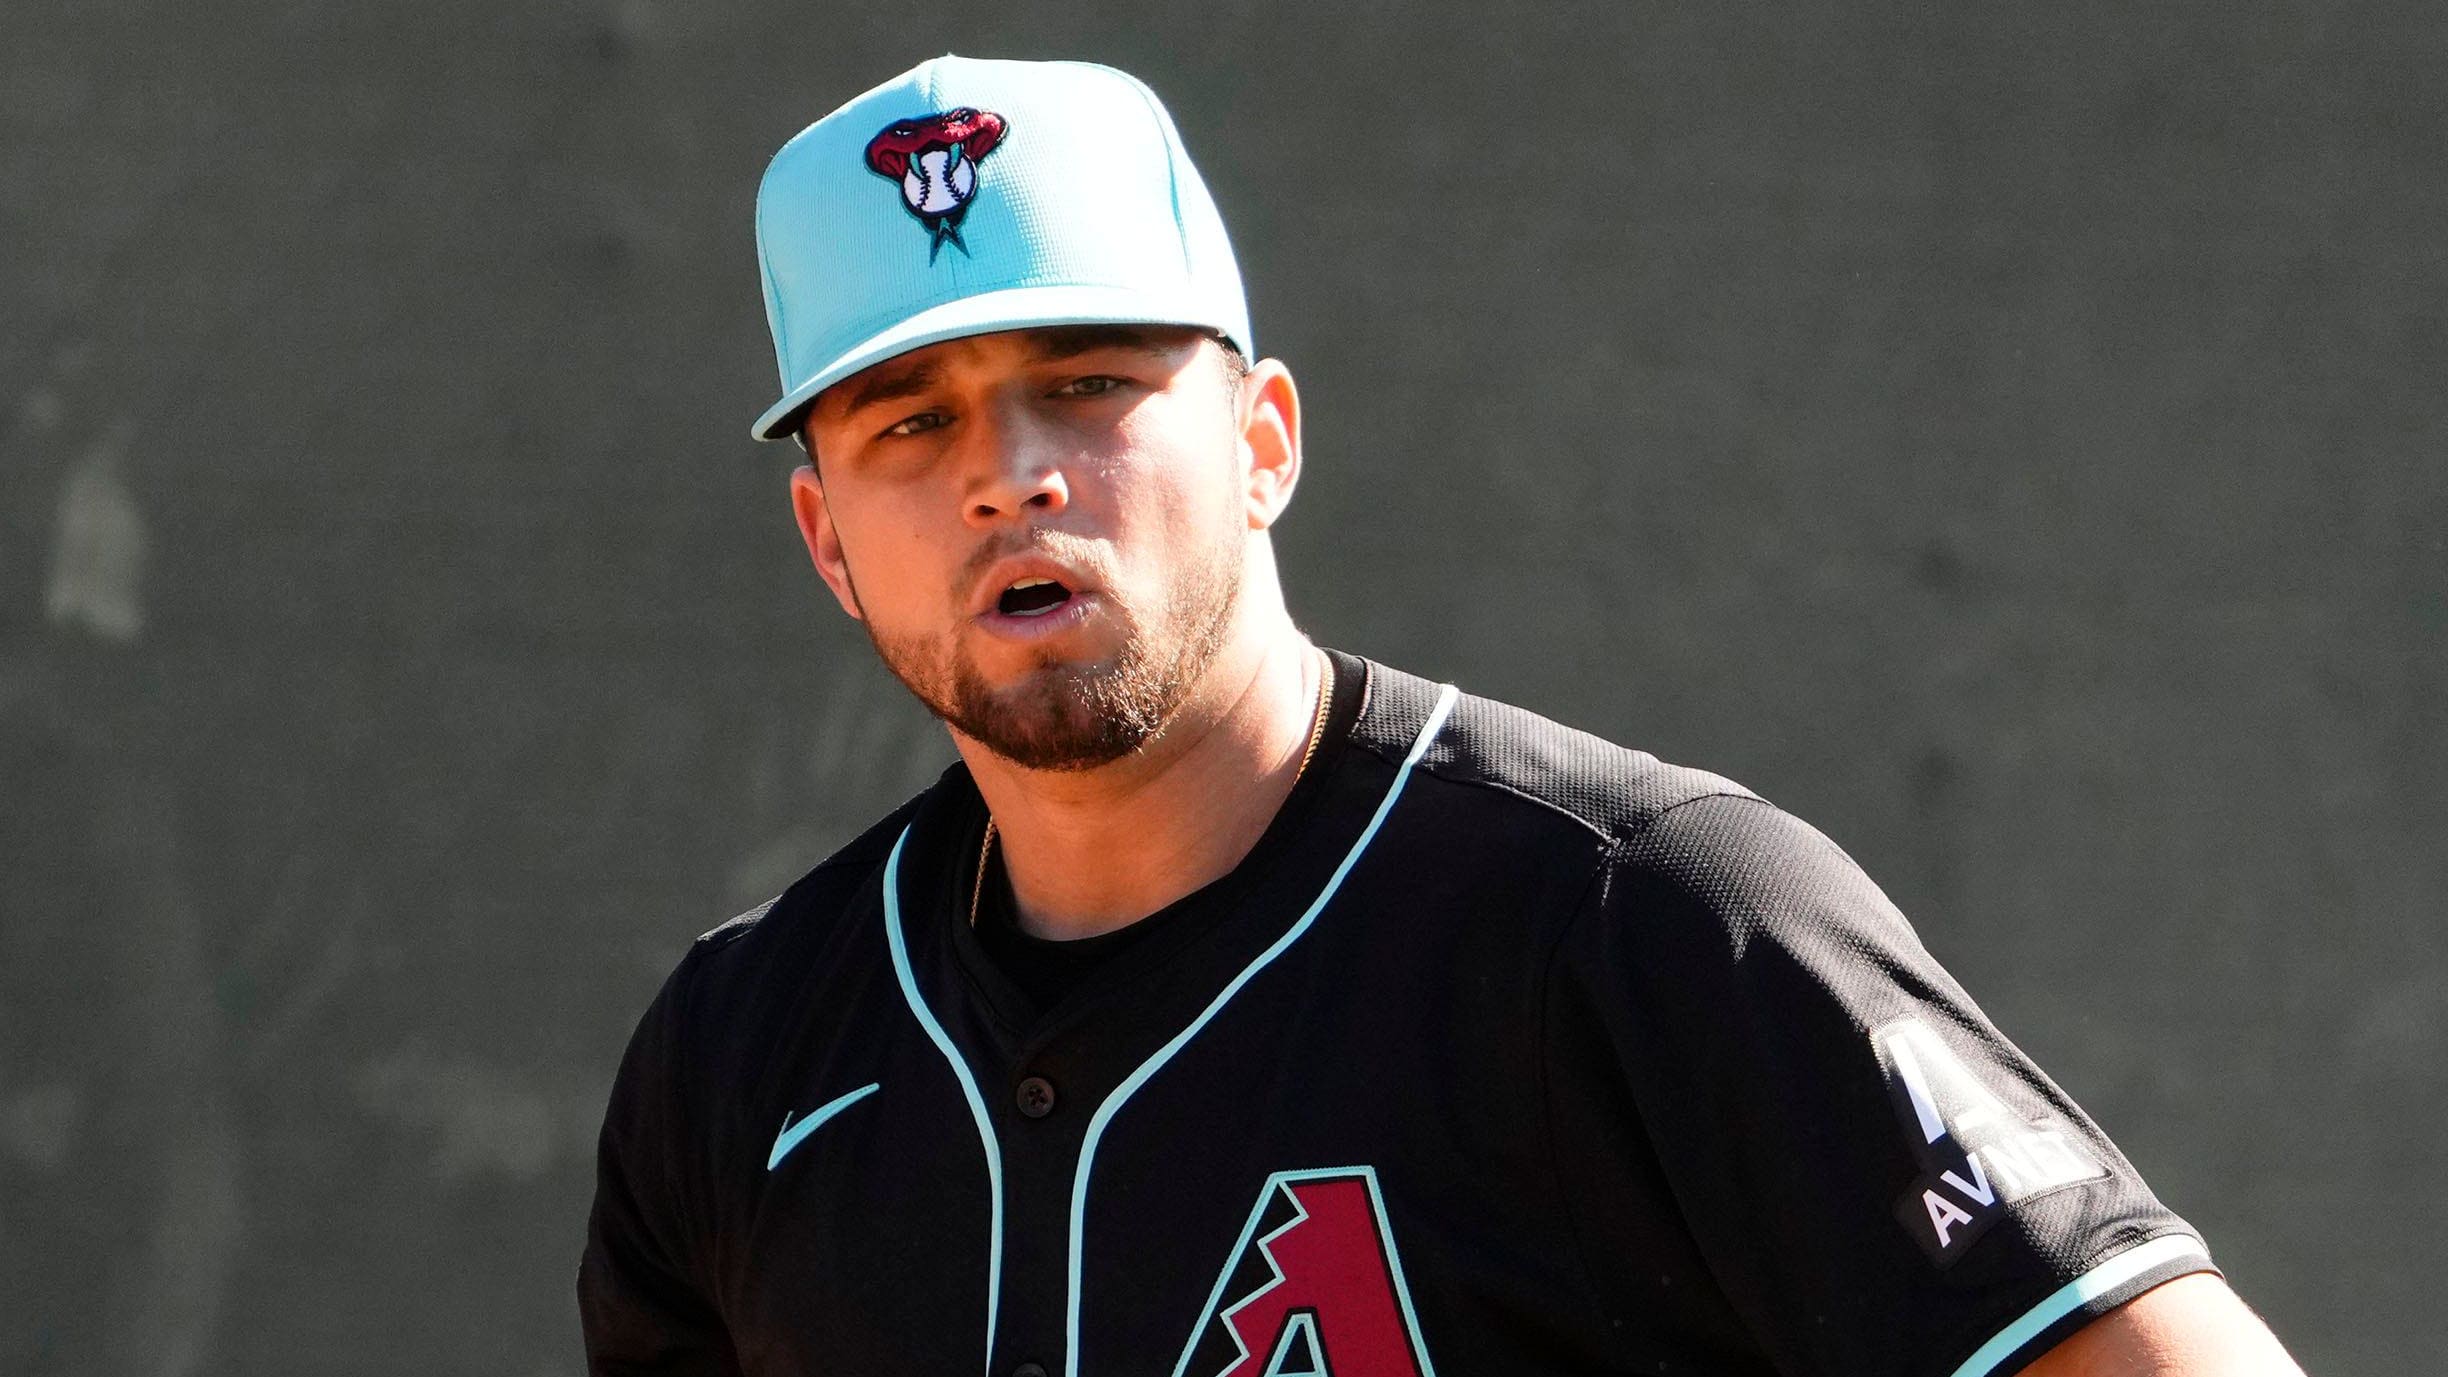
(1036, 1100)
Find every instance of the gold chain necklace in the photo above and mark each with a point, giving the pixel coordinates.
(1317, 733)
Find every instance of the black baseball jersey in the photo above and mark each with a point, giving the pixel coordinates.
(1505, 1050)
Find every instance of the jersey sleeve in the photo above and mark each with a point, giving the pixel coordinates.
(1876, 1178)
(640, 1306)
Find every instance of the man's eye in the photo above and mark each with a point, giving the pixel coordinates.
(1094, 386)
(918, 424)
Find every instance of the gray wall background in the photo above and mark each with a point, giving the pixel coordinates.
(2010, 439)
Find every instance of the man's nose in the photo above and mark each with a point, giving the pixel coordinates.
(1020, 473)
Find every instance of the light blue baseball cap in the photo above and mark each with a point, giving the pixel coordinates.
(967, 196)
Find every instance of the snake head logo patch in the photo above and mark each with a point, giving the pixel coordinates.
(934, 160)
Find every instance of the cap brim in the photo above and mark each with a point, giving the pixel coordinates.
(1013, 308)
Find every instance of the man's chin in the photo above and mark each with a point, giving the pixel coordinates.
(1060, 717)
(1068, 745)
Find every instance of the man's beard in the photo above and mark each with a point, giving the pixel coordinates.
(1068, 716)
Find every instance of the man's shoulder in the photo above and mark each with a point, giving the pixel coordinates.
(1512, 753)
(1673, 842)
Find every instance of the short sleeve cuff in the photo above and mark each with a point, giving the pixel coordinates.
(2109, 1284)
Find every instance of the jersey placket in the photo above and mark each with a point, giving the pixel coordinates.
(1047, 1092)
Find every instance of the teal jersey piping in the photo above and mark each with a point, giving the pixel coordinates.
(1447, 696)
(968, 1084)
(2075, 1294)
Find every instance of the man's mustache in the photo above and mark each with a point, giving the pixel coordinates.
(1079, 552)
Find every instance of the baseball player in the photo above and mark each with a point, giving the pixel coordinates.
(1236, 1007)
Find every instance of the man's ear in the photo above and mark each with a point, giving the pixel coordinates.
(1270, 441)
(823, 539)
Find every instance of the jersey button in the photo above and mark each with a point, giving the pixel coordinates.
(1036, 1099)
(1029, 1370)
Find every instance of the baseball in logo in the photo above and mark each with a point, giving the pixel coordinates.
(934, 160)
(1314, 1288)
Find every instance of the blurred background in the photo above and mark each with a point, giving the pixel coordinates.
(2011, 440)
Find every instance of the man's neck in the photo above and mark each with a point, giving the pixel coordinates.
(1097, 850)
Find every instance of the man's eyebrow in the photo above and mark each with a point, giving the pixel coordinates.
(1068, 341)
(890, 385)
(1048, 344)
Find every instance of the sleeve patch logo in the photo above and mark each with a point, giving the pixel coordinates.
(934, 159)
(1977, 1155)
(1313, 1288)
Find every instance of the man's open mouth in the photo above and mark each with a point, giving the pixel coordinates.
(1032, 598)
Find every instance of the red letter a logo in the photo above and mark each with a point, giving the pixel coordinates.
(1313, 1289)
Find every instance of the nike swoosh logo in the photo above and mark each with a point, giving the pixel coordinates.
(793, 1134)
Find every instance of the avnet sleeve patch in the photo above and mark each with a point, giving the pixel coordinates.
(1977, 1155)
